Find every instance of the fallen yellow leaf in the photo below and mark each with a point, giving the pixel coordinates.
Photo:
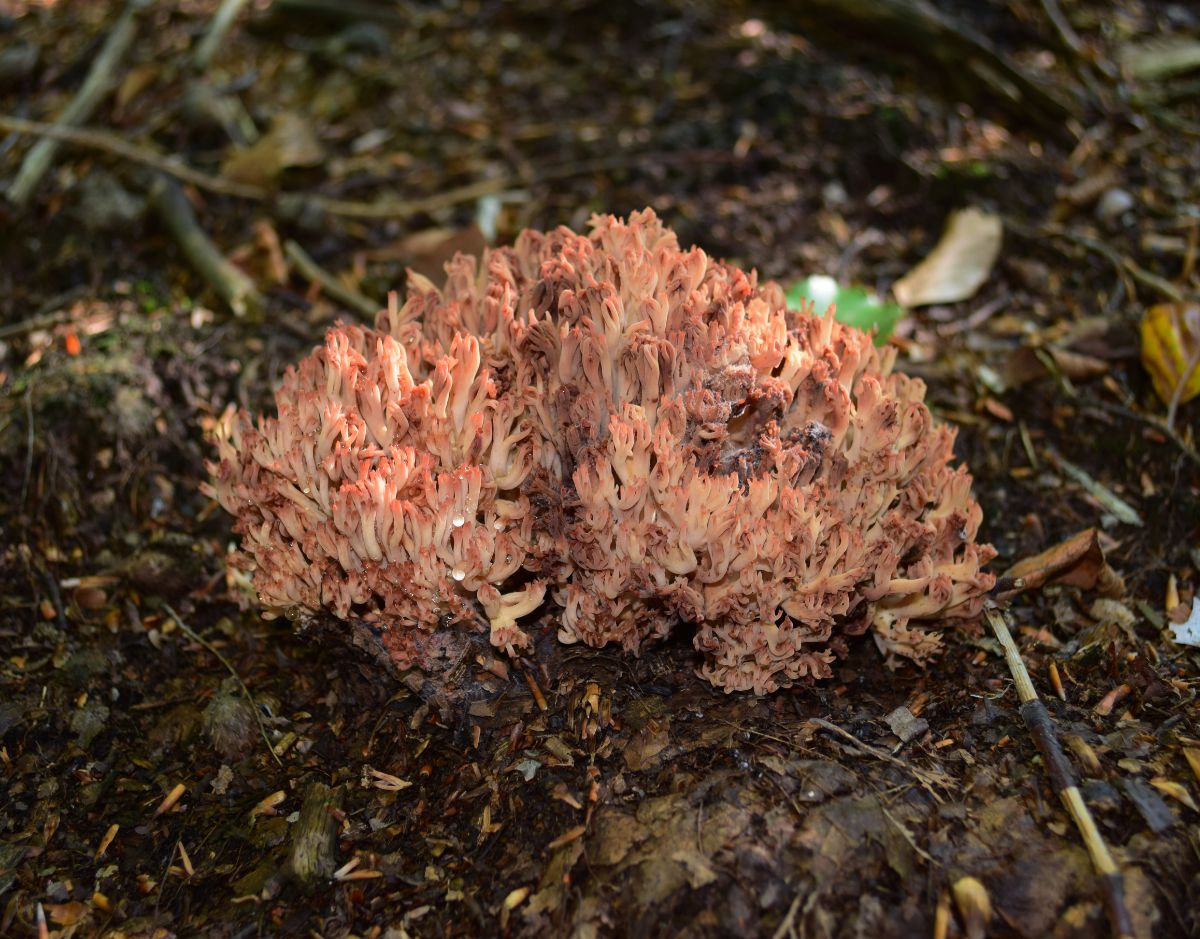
(1171, 349)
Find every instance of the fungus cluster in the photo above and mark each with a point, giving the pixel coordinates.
(635, 437)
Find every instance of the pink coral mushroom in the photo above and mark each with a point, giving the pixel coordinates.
(636, 436)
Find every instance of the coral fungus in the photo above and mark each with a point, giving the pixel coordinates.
(634, 436)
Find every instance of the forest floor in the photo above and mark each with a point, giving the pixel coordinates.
(594, 794)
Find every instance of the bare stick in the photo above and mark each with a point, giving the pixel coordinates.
(225, 15)
(230, 283)
(1062, 779)
(99, 82)
(196, 637)
(330, 284)
(1177, 396)
(108, 142)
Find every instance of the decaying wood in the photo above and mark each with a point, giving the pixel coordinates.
(311, 856)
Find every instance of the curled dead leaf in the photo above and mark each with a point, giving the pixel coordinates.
(960, 263)
(1078, 562)
(291, 142)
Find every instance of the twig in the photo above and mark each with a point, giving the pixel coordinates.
(330, 284)
(1177, 395)
(1124, 265)
(1070, 41)
(382, 208)
(1150, 421)
(108, 142)
(221, 21)
(1097, 490)
(1062, 779)
(399, 208)
(29, 438)
(50, 313)
(926, 777)
(97, 85)
(788, 926)
(230, 283)
(196, 637)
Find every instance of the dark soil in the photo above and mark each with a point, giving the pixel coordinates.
(625, 796)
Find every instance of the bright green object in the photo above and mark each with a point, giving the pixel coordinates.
(856, 306)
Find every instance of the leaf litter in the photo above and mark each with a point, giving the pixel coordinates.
(635, 800)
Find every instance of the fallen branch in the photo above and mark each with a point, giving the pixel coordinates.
(221, 21)
(108, 142)
(293, 203)
(231, 284)
(99, 82)
(1062, 779)
(330, 284)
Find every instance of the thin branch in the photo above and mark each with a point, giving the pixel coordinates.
(108, 142)
(221, 21)
(927, 778)
(1177, 395)
(1124, 264)
(101, 79)
(196, 637)
(230, 282)
(330, 284)
(1062, 779)
(1149, 420)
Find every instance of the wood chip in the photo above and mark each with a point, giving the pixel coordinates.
(572, 834)
(172, 797)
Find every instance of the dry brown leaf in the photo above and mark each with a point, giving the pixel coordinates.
(1078, 562)
(427, 252)
(1171, 350)
(292, 141)
(960, 263)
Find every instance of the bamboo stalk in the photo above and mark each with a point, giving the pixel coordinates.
(1062, 779)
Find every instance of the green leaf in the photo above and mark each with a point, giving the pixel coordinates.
(856, 306)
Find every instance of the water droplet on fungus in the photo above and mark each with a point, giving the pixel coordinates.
(292, 614)
(458, 521)
(458, 574)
